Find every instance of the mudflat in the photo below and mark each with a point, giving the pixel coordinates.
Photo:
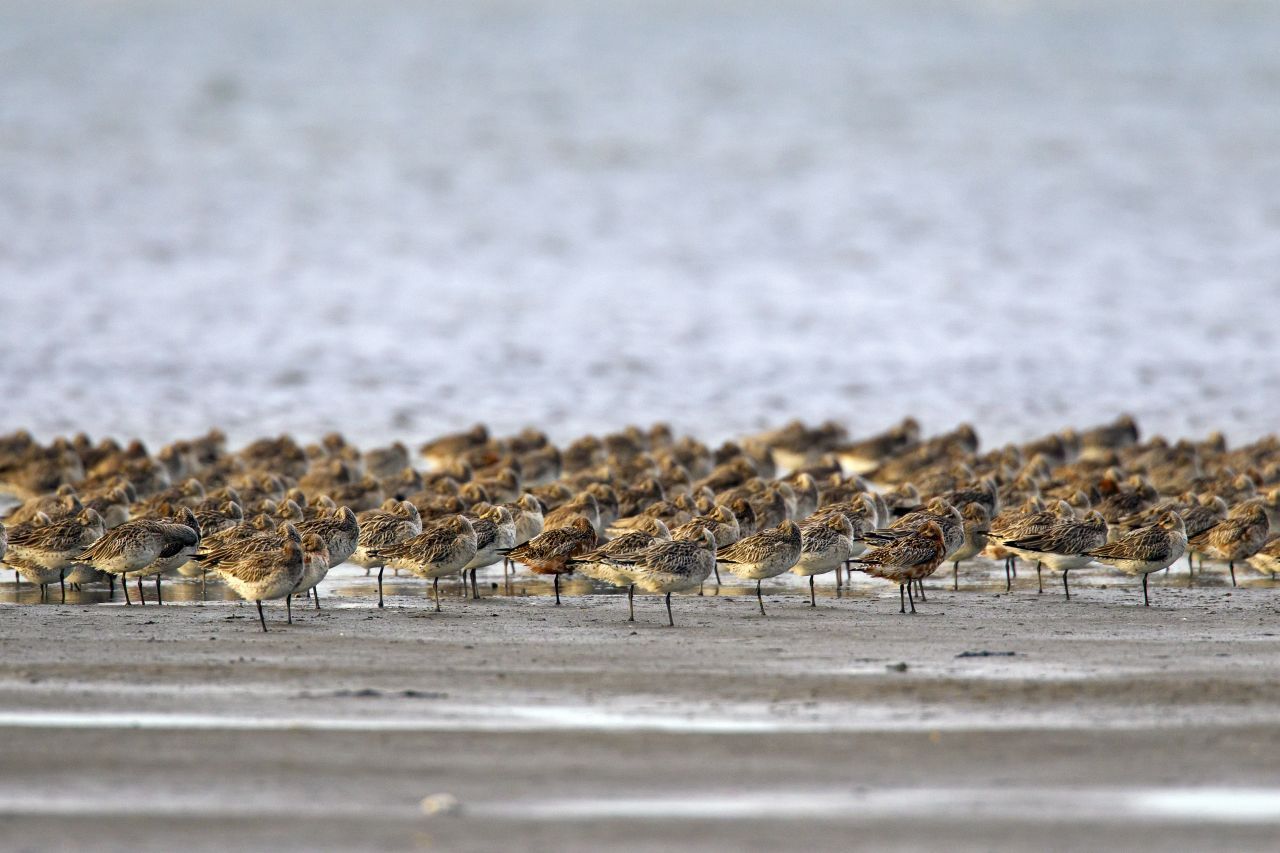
(987, 720)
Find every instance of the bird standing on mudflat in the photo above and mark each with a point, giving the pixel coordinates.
(611, 563)
(677, 566)
(1145, 550)
(439, 551)
(552, 551)
(766, 554)
(1237, 537)
(825, 545)
(262, 576)
(907, 559)
(1065, 545)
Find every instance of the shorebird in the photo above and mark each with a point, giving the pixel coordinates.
(112, 504)
(436, 552)
(442, 451)
(1207, 512)
(550, 552)
(144, 546)
(611, 563)
(976, 527)
(1237, 537)
(907, 559)
(939, 511)
(387, 462)
(676, 566)
(43, 550)
(721, 521)
(1146, 550)
(1064, 546)
(865, 456)
(825, 545)
(1266, 560)
(80, 574)
(164, 564)
(860, 511)
(230, 550)
(766, 554)
(315, 565)
(495, 535)
(585, 505)
(265, 575)
(62, 503)
(646, 522)
(1099, 442)
(1026, 526)
(379, 529)
(340, 531)
(217, 518)
(527, 513)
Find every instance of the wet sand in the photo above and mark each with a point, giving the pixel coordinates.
(988, 720)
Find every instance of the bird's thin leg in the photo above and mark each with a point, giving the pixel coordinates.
(1013, 564)
(760, 598)
(556, 583)
(920, 586)
(1066, 588)
(671, 622)
(380, 568)
(288, 606)
(316, 595)
(124, 585)
(62, 585)
(1232, 565)
(631, 603)
(1008, 579)
(812, 601)
(435, 586)
(141, 599)
(261, 618)
(716, 568)
(1039, 579)
(911, 598)
(475, 591)
(1146, 600)
(902, 600)
(159, 600)
(955, 576)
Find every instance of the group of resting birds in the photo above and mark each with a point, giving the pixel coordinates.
(640, 508)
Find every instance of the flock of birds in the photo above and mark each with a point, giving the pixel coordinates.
(636, 509)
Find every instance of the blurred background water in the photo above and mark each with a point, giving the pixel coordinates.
(398, 218)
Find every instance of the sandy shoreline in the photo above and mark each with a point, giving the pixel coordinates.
(570, 728)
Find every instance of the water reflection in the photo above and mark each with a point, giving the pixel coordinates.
(352, 586)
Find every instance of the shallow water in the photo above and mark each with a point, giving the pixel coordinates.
(402, 218)
(348, 585)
